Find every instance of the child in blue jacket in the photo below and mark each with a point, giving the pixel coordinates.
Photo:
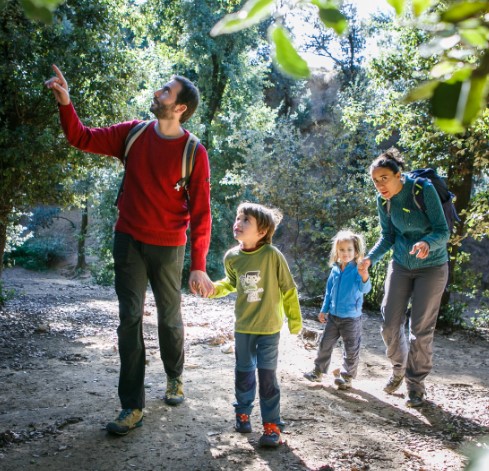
(342, 308)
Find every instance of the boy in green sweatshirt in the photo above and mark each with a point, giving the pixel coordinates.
(259, 273)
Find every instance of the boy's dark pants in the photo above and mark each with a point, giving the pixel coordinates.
(135, 264)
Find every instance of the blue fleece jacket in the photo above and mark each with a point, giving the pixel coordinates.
(344, 291)
(407, 225)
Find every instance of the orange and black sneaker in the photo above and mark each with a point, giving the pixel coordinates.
(271, 436)
(243, 424)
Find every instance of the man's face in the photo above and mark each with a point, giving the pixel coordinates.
(163, 105)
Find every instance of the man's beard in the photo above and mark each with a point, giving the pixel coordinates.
(162, 111)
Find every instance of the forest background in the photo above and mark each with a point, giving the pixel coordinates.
(303, 146)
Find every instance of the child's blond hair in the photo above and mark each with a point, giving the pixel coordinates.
(267, 219)
(346, 235)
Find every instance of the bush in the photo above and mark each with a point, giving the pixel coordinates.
(38, 253)
(5, 295)
(451, 315)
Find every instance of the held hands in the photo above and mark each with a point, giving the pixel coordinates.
(200, 283)
(322, 317)
(363, 270)
(59, 87)
(421, 249)
(363, 267)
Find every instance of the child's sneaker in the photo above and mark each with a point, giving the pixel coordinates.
(126, 421)
(343, 381)
(174, 391)
(271, 436)
(315, 375)
(243, 424)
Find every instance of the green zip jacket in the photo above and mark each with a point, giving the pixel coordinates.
(266, 291)
(407, 225)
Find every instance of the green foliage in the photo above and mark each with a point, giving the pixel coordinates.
(5, 294)
(38, 253)
(92, 41)
(285, 54)
(104, 185)
(459, 41)
(17, 232)
(41, 10)
(466, 284)
(318, 182)
(451, 316)
(346, 51)
(457, 90)
(481, 318)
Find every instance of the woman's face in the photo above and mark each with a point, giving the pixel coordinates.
(386, 181)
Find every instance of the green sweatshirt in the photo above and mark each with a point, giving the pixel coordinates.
(407, 225)
(266, 291)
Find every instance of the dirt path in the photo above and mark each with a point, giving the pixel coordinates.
(58, 388)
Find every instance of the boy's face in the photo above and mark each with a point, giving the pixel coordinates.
(245, 230)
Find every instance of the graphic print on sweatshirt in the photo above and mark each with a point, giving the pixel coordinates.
(249, 282)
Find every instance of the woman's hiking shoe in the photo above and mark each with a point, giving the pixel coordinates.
(243, 424)
(271, 436)
(415, 399)
(174, 391)
(393, 384)
(315, 375)
(343, 381)
(126, 421)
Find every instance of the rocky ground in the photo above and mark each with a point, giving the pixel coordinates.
(58, 388)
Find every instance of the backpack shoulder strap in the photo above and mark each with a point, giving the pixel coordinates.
(188, 160)
(387, 206)
(133, 134)
(417, 192)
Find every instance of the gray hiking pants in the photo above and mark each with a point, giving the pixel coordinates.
(350, 330)
(425, 288)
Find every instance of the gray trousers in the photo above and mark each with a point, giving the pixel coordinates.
(425, 288)
(350, 330)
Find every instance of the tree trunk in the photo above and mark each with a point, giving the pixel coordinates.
(4, 215)
(460, 176)
(81, 263)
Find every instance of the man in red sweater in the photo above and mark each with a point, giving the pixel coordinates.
(150, 232)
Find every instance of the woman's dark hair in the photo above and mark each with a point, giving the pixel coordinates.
(267, 219)
(188, 95)
(391, 159)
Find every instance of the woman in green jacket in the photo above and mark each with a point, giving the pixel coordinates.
(418, 272)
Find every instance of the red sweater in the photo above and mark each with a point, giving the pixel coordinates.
(150, 209)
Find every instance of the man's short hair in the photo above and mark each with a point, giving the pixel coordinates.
(188, 95)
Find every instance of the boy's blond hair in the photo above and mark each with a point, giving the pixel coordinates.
(267, 219)
(346, 235)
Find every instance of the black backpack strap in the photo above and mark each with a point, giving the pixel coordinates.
(387, 206)
(131, 137)
(417, 192)
(188, 160)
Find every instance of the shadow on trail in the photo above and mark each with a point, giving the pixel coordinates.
(430, 419)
